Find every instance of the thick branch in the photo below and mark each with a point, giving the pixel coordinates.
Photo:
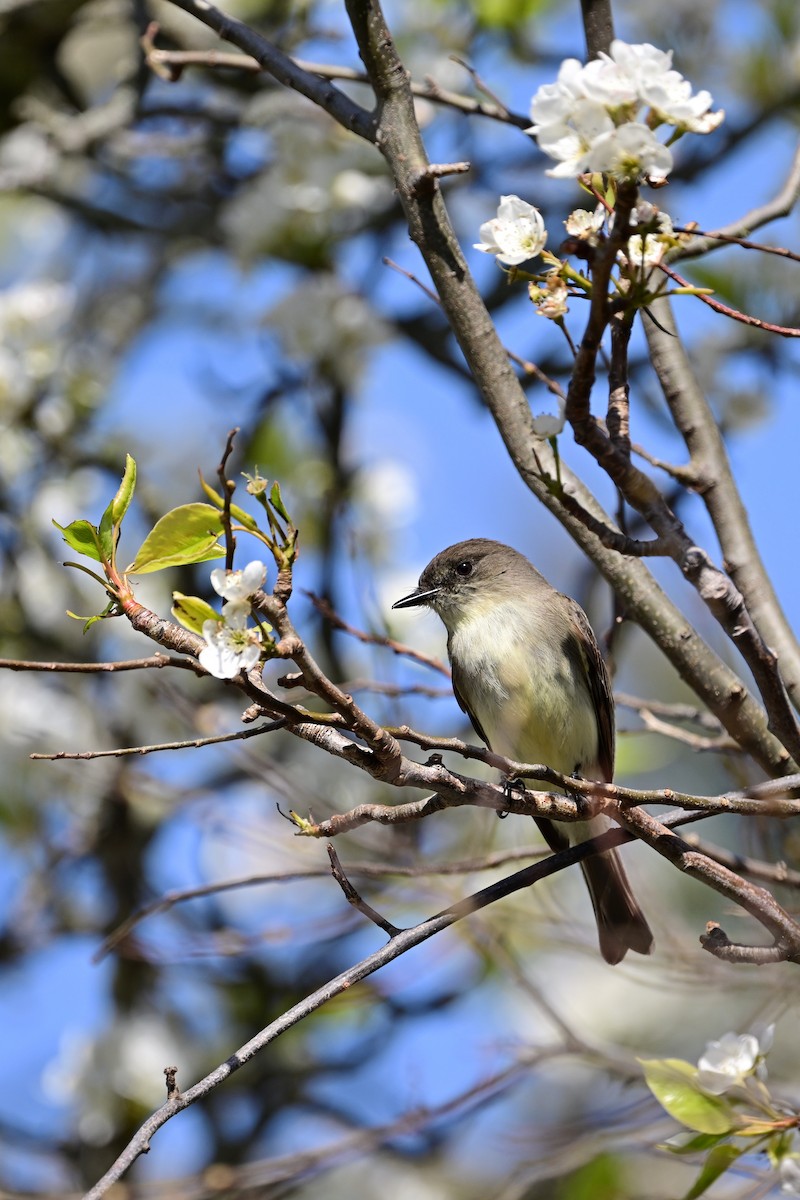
(713, 480)
(755, 900)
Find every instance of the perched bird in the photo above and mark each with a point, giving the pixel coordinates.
(529, 674)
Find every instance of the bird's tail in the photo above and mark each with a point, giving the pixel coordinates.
(621, 924)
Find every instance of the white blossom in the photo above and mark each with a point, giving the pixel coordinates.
(790, 1175)
(672, 102)
(643, 253)
(586, 225)
(35, 312)
(728, 1062)
(238, 586)
(666, 91)
(555, 102)
(516, 234)
(230, 646)
(631, 152)
(609, 83)
(571, 141)
(548, 424)
(641, 62)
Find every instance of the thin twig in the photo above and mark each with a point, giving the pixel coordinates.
(168, 900)
(228, 487)
(192, 744)
(326, 610)
(673, 711)
(778, 206)
(528, 367)
(744, 318)
(170, 64)
(697, 741)
(77, 668)
(743, 864)
(745, 243)
(353, 897)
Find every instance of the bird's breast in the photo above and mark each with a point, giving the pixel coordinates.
(529, 695)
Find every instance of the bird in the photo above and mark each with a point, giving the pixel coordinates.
(529, 674)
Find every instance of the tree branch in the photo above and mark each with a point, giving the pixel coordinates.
(321, 91)
(713, 481)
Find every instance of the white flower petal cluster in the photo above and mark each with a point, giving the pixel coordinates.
(591, 118)
(238, 586)
(516, 234)
(231, 646)
(728, 1062)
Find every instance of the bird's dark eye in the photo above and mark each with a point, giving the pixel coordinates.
(464, 568)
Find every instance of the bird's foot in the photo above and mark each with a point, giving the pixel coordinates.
(510, 786)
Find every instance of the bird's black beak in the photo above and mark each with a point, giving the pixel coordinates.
(420, 596)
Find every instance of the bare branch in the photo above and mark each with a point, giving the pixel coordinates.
(77, 668)
(743, 864)
(168, 900)
(170, 64)
(755, 900)
(227, 487)
(713, 479)
(717, 942)
(598, 25)
(192, 744)
(325, 609)
(789, 331)
(780, 206)
(399, 944)
(353, 897)
(321, 91)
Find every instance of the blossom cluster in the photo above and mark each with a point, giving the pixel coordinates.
(231, 646)
(592, 118)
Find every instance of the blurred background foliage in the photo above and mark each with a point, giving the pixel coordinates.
(178, 258)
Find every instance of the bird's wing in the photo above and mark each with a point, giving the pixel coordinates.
(599, 684)
(462, 704)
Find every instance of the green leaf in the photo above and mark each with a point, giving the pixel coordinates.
(692, 1144)
(110, 610)
(192, 612)
(83, 537)
(122, 501)
(717, 1163)
(673, 1082)
(507, 14)
(187, 534)
(237, 513)
(117, 507)
(276, 500)
(106, 535)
